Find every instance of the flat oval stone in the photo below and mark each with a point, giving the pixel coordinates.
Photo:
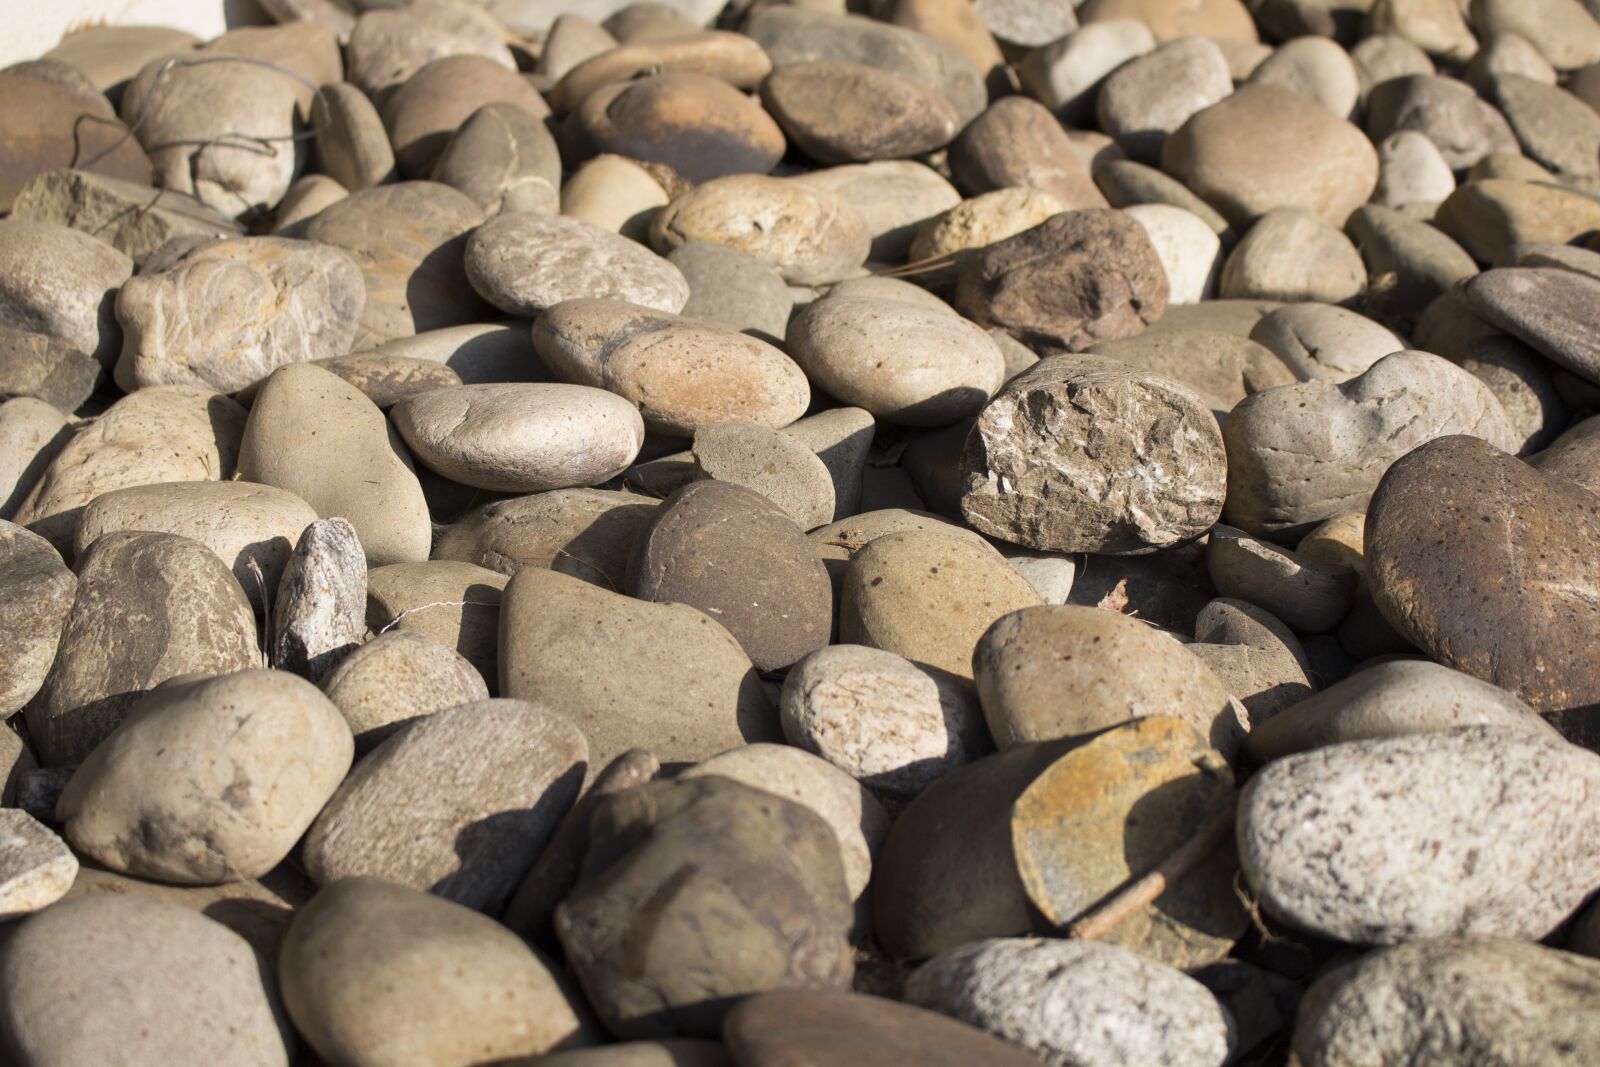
(1070, 1001)
(1142, 468)
(505, 159)
(928, 597)
(1507, 1000)
(811, 1028)
(1393, 699)
(190, 617)
(525, 263)
(1323, 341)
(1509, 596)
(891, 724)
(318, 437)
(522, 438)
(1303, 453)
(700, 126)
(36, 596)
(683, 375)
(1292, 255)
(1465, 831)
(360, 969)
(903, 362)
(1266, 147)
(1074, 279)
(1068, 671)
(170, 433)
(851, 113)
(458, 803)
(424, 111)
(230, 313)
(61, 282)
(387, 46)
(813, 236)
(1143, 101)
(1544, 306)
(770, 462)
(587, 533)
(408, 239)
(1017, 142)
(729, 57)
(209, 780)
(251, 528)
(173, 987)
(397, 677)
(733, 554)
(1309, 597)
(679, 683)
(456, 604)
(748, 895)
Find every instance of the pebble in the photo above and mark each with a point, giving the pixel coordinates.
(189, 613)
(524, 263)
(40, 120)
(32, 434)
(1410, 264)
(424, 112)
(521, 438)
(1077, 278)
(800, 1026)
(208, 780)
(842, 439)
(735, 555)
(132, 217)
(1320, 341)
(316, 436)
(1451, 998)
(45, 368)
(587, 533)
(397, 677)
(170, 985)
(910, 363)
(388, 46)
(1222, 368)
(1553, 126)
(733, 289)
(983, 220)
(1413, 171)
(1567, 34)
(1190, 252)
(770, 462)
(357, 1001)
(1291, 255)
(1317, 68)
(352, 144)
(1017, 142)
(1309, 597)
(456, 604)
(38, 596)
(1296, 457)
(1143, 101)
(680, 685)
(1461, 832)
(319, 606)
(1257, 657)
(1491, 217)
(1064, 74)
(250, 528)
(37, 869)
(683, 375)
(850, 113)
(1393, 699)
(614, 192)
(1149, 470)
(59, 282)
(928, 597)
(750, 896)
(503, 157)
(894, 197)
(1542, 306)
(1065, 1002)
(1500, 519)
(729, 57)
(1065, 671)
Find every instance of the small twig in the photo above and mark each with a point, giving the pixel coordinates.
(1135, 895)
(920, 266)
(266, 609)
(392, 623)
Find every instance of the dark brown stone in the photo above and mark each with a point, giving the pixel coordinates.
(809, 1029)
(1018, 142)
(851, 113)
(1076, 278)
(46, 126)
(734, 554)
(1490, 567)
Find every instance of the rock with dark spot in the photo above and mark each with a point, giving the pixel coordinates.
(149, 606)
(209, 779)
(46, 368)
(695, 893)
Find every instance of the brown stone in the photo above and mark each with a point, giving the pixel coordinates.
(851, 113)
(46, 126)
(421, 114)
(1018, 142)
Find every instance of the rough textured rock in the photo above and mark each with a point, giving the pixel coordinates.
(1465, 831)
(61, 282)
(891, 724)
(806, 1028)
(1077, 278)
(1439, 1002)
(37, 867)
(149, 606)
(1303, 453)
(131, 217)
(251, 528)
(522, 438)
(36, 596)
(208, 779)
(319, 610)
(524, 263)
(1149, 471)
(318, 437)
(230, 313)
(1515, 588)
(1067, 1002)
(173, 987)
(732, 553)
(1065, 671)
(1266, 147)
(928, 597)
(457, 803)
(46, 368)
(733, 874)
(679, 685)
(360, 977)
